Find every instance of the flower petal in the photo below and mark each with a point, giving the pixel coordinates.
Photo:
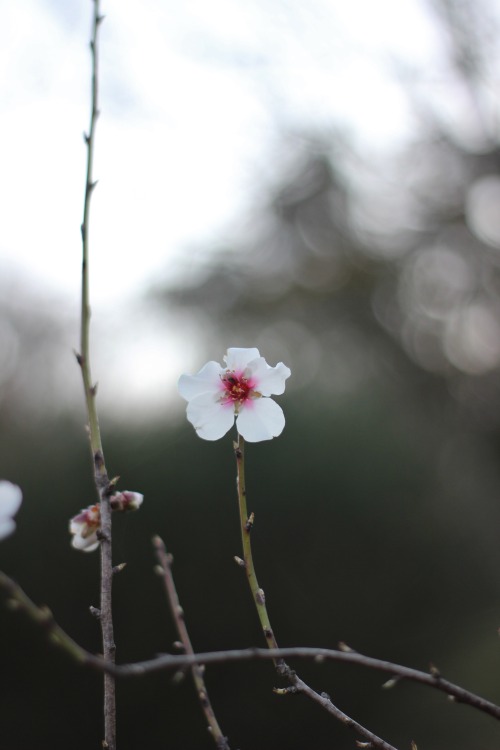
(270, 381)
(7, 526)
(207, 380)
(86, 544)
(261, 419)
(237, 359)
(209, 417)
(11, 497)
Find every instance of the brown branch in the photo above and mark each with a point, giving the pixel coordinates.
(165, 570)
(319, 655)
(17, 600)
(102, 482)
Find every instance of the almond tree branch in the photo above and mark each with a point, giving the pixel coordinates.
(165, 570)
(260, 602)
(103, 485)
(320, 655)
(17, 600)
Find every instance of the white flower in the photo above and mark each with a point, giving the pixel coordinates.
(10, 500)
(84, 528)
(216, 395)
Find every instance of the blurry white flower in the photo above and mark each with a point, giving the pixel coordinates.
(217, 395)
(126, 500)
(84, 528)
(10, 501)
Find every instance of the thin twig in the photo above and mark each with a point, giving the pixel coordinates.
(41, 616)
(319, 655)
(259, 598)
(100, 474)
(18, 601)
(165, 570)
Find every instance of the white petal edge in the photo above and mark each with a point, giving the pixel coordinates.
(207, 380)
(270, 381)
(11, 498)
(7, 526)
(87, 544)
(210, 419)
(238, 359)
(261, 419)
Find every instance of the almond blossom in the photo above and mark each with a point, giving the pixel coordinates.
(84, 528)
(126, 500)
(11, 498)
(240, 389)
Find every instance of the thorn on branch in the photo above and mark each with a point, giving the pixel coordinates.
(158, 570)
(260, 597)
(98, 461)
(363, 744)
(93, 390)
(178, 677)
(345, 648)
(179, 612)
(95, 612)
(86, 138)
(239, 561)
(391, 682)
(110, 489)
(179, 646)
(292, 690)
(434, 671)
(250, 522)
(119, 568)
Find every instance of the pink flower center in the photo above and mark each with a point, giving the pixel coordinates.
(237, 389)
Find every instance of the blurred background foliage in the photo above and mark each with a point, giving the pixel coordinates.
(377, 511)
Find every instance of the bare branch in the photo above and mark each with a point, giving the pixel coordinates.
(165, 570)
(319, 655)
(90, 389)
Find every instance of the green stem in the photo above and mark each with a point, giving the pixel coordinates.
(246, 529)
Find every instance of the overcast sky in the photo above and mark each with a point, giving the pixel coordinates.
(191, 88)
(193, 96)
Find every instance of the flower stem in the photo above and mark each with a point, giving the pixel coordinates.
(100, 474)
(246, 529)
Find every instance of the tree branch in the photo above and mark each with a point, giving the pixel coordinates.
(17, 600)
(103, 485)
(165, 570)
